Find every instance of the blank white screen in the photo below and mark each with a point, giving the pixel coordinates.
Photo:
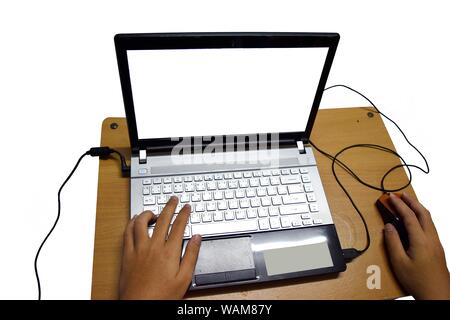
(207, 92)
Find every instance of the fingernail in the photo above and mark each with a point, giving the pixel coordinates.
(172, 198)
(197, 239)
(188, 206)
(388, 227)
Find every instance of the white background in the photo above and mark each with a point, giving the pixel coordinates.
(211, 92)
(59, 80)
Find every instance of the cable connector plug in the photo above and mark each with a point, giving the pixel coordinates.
(350, 254)
(100, 152)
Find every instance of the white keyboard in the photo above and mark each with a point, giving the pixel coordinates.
(239, 201)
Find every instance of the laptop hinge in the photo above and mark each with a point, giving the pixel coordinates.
(142, 156)
(301, 147)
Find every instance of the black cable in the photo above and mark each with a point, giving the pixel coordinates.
(102, 152)
(351, 253)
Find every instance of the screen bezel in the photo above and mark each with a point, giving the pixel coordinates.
(161, 41)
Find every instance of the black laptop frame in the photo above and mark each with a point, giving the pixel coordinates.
(161, 41)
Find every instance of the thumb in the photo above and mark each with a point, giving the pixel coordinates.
(190, 258)
(394, 246)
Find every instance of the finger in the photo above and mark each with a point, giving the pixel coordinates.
(141, 227)
(394, 246)
(162, 225)
(421, 212)
(178, 227)
(408, 217)
(189, 260)
(128, 237)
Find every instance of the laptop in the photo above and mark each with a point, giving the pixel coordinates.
(222, 121)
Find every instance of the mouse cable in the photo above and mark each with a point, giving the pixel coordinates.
(351, 253)
(103, 153)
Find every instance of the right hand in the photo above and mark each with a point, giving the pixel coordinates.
(421, 270)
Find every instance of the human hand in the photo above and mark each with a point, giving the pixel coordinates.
(421, 270)
(151, 267)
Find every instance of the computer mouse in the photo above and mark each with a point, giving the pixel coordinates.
(389, 215)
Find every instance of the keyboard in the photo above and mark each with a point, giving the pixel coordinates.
(238, 202)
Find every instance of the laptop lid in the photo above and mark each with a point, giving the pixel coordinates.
(222, 85)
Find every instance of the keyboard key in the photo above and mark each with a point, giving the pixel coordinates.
(294, 209)
(200, 186)
(252, 213)
(206, 217)
(163, 199)
(303, 170)
(274, 181)
(149, 200)
(308, 187)
(311, 197)
(282, 190)
(241, 214)
(265, 202)
(184, 198)
(305, 216)
(254, 182)
(211, 185)
(317, 221)
(233, 204)
(272, 191)
(218, 195)
(147, 181)
(198, 178)
(211, 206)
(167, 188)
(222, 205)
(229, 215)
(187, 231)
(207, 196)
(167, 180)
(196, 217)
(218, 216)
(228, 176)
(224, 227)
(229, 194)
(208, 177)
(296, 198)
(233, 184)
(275, 222)
(178, 187)
(276, 201)
(188, 179)
(273, 211)
(153, 209)
(275, 172)
(314, 207)
(295, 188)
(250, 193)
(218, 176)
(247, 174)
(156, 189)
(222, 185)
(243, 183)
(199, 207)
(157, 180)
(255, 202)
(177, 179)
(285, 222)
(295, 171)
(261, 192)
(290, 180)
(257, 173)
(263, 224)
(245, 203)
(264, 182)
(237, 175)
(307, 222)
(240, 194)
(263, 212)
(196, 197)
(284, 172)
(189, 187)
(306, 178)
(146, 191)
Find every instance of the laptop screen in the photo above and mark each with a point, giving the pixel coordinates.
(232, 91)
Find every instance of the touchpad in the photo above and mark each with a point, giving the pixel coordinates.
(225, 260)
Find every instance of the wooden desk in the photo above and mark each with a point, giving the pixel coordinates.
(333, 130)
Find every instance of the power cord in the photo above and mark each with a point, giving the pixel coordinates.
(352, 253)
(103, 153)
